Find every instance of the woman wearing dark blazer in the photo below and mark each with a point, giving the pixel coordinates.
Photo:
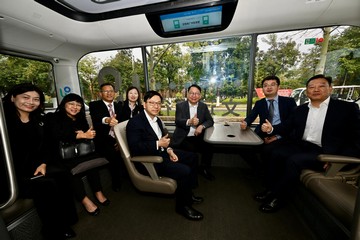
(49, 189)
(69, 124)
(132, 105)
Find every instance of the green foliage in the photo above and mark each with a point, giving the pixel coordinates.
(14, 70)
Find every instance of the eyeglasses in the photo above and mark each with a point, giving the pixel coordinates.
(269, 85)
(153, 104)
(194, 93)
(77, 105)
(108, 91)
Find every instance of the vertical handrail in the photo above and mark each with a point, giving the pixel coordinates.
(251, 82)
(9, 166)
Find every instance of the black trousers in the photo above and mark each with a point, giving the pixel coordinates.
(198, 145)
(53, 199)
(106, 147)
(184, 171)
(294, 156)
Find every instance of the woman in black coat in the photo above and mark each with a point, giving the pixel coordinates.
(23, 107)
(69, 125)
(132, 105)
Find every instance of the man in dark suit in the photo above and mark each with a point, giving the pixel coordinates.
(146, 136)
(322, 126)
(105, 114)
(191, 119)
(276, 109)
(283, 108)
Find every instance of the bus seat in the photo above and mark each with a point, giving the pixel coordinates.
(337, 187)
(152, 183)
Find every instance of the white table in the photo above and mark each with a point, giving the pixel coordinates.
(230, 133)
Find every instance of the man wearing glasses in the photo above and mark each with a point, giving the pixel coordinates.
(191, 119)
(105, 115)
(146, 136)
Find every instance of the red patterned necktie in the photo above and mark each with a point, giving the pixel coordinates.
(112, 114)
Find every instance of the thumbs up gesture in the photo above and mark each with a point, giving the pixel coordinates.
(90, 134)
(164, 141)
(194, 121)
(112, 121)
(267, 127)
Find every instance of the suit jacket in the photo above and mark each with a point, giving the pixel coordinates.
(98, 110)
(183, 114)
(341, 131)
(141, 137)
(286, 108)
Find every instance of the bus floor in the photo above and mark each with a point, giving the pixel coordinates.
(229, 213)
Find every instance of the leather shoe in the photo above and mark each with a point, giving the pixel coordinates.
(271, 206)
(69, 233)
(206, 174)
(263, 196)
(190, 213)
(197, 200)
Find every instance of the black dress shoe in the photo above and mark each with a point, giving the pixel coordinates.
(197, 200)
(206, 174)
(94, 213)
(271, 206)
(190, 213)
(69, 233)
(263, 196)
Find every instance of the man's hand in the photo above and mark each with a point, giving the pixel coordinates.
(194, 121)
(243, 125)
(164, 141)
(198, 130)
(172, 155)
(112, 121)
(271, 139)
(267, 127)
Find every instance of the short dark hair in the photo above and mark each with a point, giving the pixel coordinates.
(271, 78)
(194, 85)
(328, 79)
(69, 98)
(107, 84)
(150, 94)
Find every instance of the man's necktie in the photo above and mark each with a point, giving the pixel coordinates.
(271, 110)
(112, 114)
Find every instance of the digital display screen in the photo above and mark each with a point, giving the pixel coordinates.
(193, 19)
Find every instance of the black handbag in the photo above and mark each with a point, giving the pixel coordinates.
(80, 149)
(69, 150)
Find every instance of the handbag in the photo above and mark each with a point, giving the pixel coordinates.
(80, 148)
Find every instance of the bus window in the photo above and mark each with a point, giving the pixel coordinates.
(296, 56)
(15, 70)
(220, 67)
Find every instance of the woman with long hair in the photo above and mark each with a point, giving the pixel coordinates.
(132, 105)
(68, 124)
(37, 175)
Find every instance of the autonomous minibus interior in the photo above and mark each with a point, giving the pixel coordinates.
(226, 47)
